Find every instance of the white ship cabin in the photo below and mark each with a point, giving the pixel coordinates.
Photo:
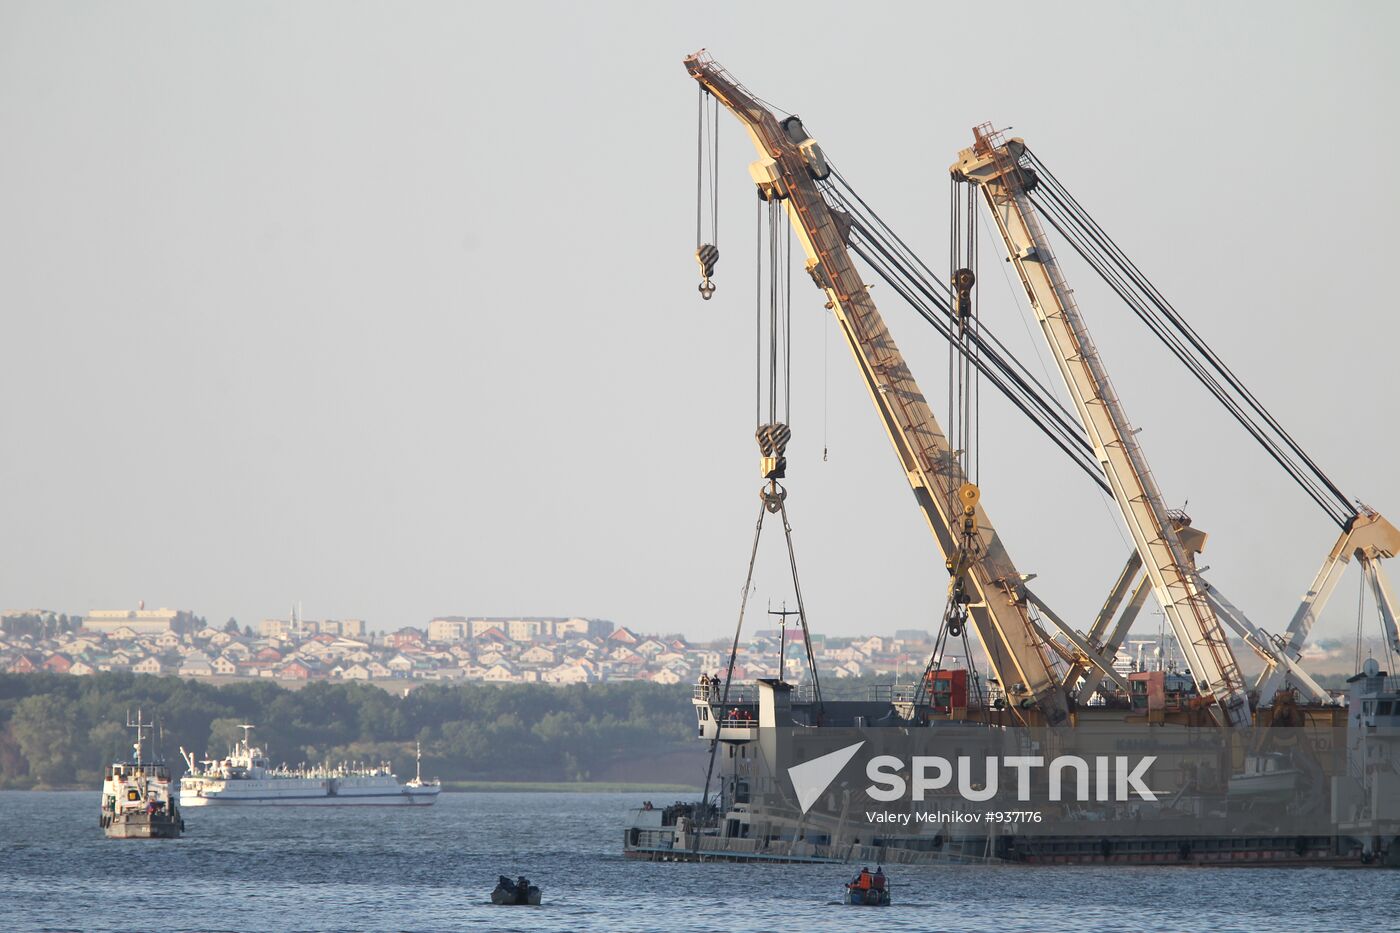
(128, 787)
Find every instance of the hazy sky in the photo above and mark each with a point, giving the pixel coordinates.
(390, 308)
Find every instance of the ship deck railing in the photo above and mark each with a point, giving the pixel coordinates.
(746, 694)
(905, 693)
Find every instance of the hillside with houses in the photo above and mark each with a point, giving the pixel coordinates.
(523, 650)
(449, 649)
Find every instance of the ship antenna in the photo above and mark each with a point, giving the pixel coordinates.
(139, 726)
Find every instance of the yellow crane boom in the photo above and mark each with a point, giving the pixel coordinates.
(788, 169)
(994, 166)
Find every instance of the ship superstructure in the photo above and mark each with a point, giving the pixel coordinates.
(247, 777)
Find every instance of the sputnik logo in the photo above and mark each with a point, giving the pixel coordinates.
(811, 778)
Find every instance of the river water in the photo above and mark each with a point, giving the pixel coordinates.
(432, 869)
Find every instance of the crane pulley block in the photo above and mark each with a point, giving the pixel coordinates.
(772, 444)
(769, 177)
(807, 147)
(963, 281)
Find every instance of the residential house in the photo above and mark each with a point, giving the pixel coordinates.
(196, 664)
(296, 669)
(538, 654)
(500, 674)
(25, 664)
(57, 663)
(149, 665)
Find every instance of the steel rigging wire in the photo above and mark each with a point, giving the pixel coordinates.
(772, 438)
(707, 173)
(899, 267)
(1108, 260)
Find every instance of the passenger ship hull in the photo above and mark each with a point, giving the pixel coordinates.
(305, 794)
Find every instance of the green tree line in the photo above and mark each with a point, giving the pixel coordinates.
(58, 730)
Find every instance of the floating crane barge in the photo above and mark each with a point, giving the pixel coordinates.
(1044, 673)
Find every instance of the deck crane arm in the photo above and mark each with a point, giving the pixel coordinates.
(788, 168)
(994, 166)
(1368, 537)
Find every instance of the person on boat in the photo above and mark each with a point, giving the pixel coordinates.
(877, 881)
(864, 880)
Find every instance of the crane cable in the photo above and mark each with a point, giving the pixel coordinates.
(1148, 303)
(891, 259)
(1065, 226)
(1016, 380)
(773, 437)
(728, 679)
(963, 418)
(707, 131)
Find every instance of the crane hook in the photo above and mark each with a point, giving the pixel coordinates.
(707, 256)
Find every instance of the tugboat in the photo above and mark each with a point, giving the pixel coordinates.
(137, 802)
(519, 892)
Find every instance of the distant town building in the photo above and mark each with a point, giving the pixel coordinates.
(298, 628)
(36, 622)
(142, 621)
(447, 630)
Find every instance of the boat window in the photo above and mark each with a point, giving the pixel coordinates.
(1383, 708)
(133, 794)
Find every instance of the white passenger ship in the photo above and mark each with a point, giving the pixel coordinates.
(247, 778)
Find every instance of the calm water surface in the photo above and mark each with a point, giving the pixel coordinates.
(294, 869)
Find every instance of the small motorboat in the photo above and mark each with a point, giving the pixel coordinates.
(868, 890)
(866, 898)
(520, 891)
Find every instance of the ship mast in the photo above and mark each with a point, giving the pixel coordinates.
(247, 738)
(141, 728)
